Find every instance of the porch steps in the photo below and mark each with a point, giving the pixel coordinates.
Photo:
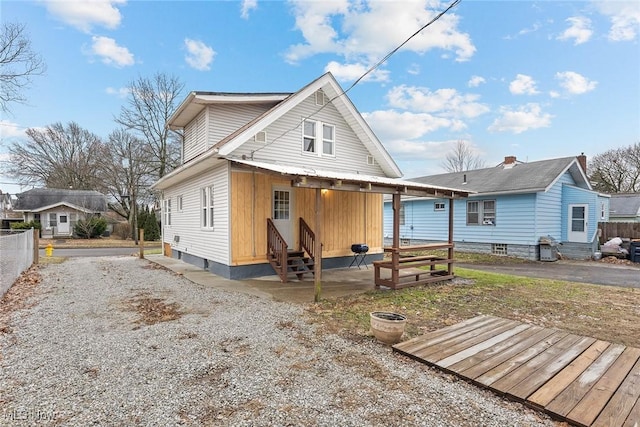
(299, 264)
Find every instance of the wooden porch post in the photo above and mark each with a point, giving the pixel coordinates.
(395, 253)
(317, 250)
(450, 250)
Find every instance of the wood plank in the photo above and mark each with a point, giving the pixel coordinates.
(545, 394)
(463, 349)
(514, 329)
(438, 332)
(633, 420)
(424, 353)
(507, 382)
(436, 337)
(520, 358)
(548, 370)
(604, 380)
(496, 349)
(622, 401)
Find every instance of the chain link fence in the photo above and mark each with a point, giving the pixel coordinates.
(16, 255)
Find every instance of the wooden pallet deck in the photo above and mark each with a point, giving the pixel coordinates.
(581, 380)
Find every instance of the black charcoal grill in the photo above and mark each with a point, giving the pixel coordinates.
(359, 254)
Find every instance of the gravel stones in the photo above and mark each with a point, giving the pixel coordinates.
(111, 341)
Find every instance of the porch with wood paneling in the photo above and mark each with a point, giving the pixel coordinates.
(581, 380)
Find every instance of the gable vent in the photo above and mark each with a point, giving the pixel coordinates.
(371, 160)
(260, 137)
(320, 100)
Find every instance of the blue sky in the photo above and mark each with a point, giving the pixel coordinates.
(534, 79)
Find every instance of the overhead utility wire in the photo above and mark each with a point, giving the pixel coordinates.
(371, 69)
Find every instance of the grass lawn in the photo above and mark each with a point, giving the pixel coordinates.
(607, 313)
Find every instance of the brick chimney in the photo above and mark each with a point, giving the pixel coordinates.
(508, 160)
(582, 160)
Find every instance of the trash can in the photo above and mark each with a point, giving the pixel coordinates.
(634, 251)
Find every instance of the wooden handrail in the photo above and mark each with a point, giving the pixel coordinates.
(307, 238)
(277, 249)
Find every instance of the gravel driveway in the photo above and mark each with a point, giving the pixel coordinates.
(119, 341)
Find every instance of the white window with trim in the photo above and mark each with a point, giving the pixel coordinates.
(438, 206)
(206, 197)
(481, 212)
(402, 214)
(179, 203)
(167, 211)
(318, 138)
(603, 211)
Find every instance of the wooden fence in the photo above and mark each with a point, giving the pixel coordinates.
(609, 230)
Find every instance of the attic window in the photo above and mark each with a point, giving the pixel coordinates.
(371, 160)
(320, 99)
(260, 137)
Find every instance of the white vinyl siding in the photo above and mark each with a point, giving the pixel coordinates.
(195, 137)
(349, 153)
(214, 244)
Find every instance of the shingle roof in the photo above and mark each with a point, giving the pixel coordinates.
(41, 197)
(626, 205)
(519, 178)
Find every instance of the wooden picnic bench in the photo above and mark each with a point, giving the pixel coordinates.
(405, 264)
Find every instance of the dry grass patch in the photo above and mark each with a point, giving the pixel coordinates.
(604, 312)
(17, 296)
(152, 310)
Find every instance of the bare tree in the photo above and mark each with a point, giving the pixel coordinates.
(151, 102)
(126, 174)
(616, 170)
(18, 63)
(58, 157)
(462, 158)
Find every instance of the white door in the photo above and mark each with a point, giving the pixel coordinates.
(578, 221)
(281, 211)
(63, 223)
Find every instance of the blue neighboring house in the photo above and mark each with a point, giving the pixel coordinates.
(515, 205)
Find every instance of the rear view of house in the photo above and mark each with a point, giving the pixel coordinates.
(516, 205)
(276, 182)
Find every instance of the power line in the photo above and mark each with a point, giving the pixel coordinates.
(370, 70)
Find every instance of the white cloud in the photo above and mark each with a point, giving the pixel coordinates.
(476, 81)
(523, 85)
(574, 83)
(579, 30)
(524, 118)
(122, 92)
(10, 130)
(391, 125)
(350, 72)
(624, 17)
(409, 151)
(365, 32)
(444, 102)
(110, 52)
(85, 14)
(199, 55)
(247, 6)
